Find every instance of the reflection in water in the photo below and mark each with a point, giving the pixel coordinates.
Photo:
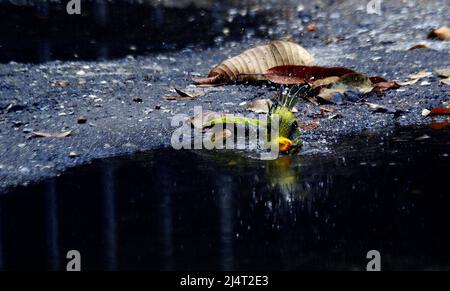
(51, 222)
(196, 210)
(225, 197)
(109, 217)
(284, 174)
(166, 224)
(115, 29)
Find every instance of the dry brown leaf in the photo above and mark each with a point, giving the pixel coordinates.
(173, 97)
(325, 81)
(420, 75)
(439, 125)
(327, 93)
(446, 81)
(347, 82)
(414, 78)
(262, 106)
(326, 109)
(308, 125)
(51, 134)
(442, 33)
(407, 83)
(444, 72)
(383, 86)
(259, 106)
(293, 74)
(357, 80)
(206, 116)
(377, 79)
(184, 95)
(418, 46)
(436, 111)
(311, 27)
(252, 63)
(335, 116)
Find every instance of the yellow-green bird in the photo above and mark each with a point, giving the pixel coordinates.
(288, 140)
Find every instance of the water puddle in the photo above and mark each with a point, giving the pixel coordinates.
(182, 210)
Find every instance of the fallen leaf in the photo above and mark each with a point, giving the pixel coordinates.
(262, 106)
(308, 125)
(325, 81)
(414, 78)
(442, 33)
(420, 75)
(383, 109)
(407, 83)
(292, 74)
(444, 72)
(446, 81)
(328, 94)
(326, 109)
(439, 111)
(253, 63)
(377, 79)
(311, 27)
(312, 100)
(204, 117)
(418, 46)
(358, 81)
(185, 94)
(383, 86)
(334, 116)
(259, 106)
(439, 125)
(425, 112)
(51, 134)
(210, 85)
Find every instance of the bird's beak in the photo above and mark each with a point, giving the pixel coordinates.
(284, 144)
